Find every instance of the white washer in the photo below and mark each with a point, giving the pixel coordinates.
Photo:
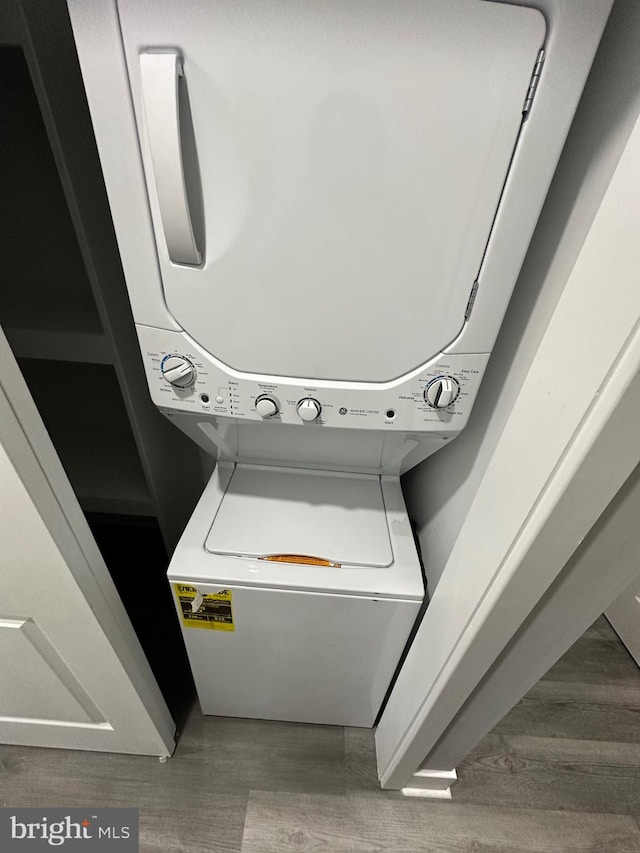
(321, 210)
(294, 641)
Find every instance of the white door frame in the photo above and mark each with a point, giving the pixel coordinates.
(138, 718)
(568, 446)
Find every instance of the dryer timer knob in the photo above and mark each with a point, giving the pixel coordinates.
(441, 392)
(178, 370)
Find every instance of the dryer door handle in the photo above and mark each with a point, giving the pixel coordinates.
(160, 74)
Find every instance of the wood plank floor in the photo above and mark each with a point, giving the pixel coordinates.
(561, 772)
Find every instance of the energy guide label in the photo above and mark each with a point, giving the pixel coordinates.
(205, 610)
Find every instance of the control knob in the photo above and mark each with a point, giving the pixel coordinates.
(178, 370)
(309, 409)
(266, 406)
(441, 392)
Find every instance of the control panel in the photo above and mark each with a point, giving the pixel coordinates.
(436, 397)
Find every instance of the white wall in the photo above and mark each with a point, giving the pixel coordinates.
(439, 492)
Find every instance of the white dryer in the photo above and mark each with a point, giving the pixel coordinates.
(321, 210)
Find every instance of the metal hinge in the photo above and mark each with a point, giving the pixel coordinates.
(472, 299)
(533, 83)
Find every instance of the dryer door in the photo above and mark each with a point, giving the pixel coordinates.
(323, 178)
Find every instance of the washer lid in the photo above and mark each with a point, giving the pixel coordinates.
(269, 512)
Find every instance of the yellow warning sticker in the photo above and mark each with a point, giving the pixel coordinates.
(205, 610)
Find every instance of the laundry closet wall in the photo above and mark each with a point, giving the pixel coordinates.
(440, 491)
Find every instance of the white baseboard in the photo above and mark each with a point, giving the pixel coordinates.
(431, 784)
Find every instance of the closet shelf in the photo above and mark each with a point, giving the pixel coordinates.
(82, 407)
(93, 348)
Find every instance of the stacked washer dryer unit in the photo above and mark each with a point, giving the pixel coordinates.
(324, 185)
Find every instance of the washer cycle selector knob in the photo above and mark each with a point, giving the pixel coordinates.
(441, 392)
(178, 370)
(266, 406)
(309, 409)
